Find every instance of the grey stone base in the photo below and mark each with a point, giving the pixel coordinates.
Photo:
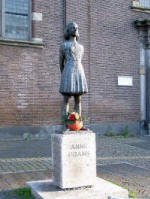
(102, 190)
(42, 132)
(73, 159)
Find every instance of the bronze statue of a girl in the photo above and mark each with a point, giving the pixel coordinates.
(73, 80)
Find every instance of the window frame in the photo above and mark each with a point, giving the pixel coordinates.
(137, 7)
(2, 22)
(144, 7)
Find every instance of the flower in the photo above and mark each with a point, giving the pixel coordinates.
(74, 121)
(72, 117)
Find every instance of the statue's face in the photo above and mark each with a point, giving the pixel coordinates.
(73, 29)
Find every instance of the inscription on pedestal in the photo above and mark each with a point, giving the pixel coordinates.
(74, 159)
(78, 150)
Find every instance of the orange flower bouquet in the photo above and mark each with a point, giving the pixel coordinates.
(74, 121)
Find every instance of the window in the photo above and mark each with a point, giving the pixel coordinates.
(145, 3)
(15, 19)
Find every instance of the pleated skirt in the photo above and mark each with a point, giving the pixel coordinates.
(73, 80)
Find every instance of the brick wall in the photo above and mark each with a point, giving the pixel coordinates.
(112, 48)
(114, 51)
(30, 77)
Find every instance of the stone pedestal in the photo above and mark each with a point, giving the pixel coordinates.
(74, 170)
(101, 190)
(74, 159)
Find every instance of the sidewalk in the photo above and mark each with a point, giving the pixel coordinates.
(125, 161)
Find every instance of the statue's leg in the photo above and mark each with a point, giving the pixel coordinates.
(65, 109)
(77, 106)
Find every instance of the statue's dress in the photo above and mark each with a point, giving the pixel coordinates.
(73, 80)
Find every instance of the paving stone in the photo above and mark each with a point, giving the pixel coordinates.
(131, 176)
(25, 149)
(20, 165)
(144, 145)
(17, 180)
(34, 161)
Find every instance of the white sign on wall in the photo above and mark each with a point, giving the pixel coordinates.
(125, 81)
(136, 4)
(36, 16)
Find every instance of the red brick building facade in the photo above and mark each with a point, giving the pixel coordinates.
(30, 102)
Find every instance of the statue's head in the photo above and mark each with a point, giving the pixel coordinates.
(71, 30)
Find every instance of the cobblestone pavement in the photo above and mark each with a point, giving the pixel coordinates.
(21, 161)
(21, 156)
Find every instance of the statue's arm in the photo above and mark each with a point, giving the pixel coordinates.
(61, 58)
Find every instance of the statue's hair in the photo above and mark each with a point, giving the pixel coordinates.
(67, 33)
